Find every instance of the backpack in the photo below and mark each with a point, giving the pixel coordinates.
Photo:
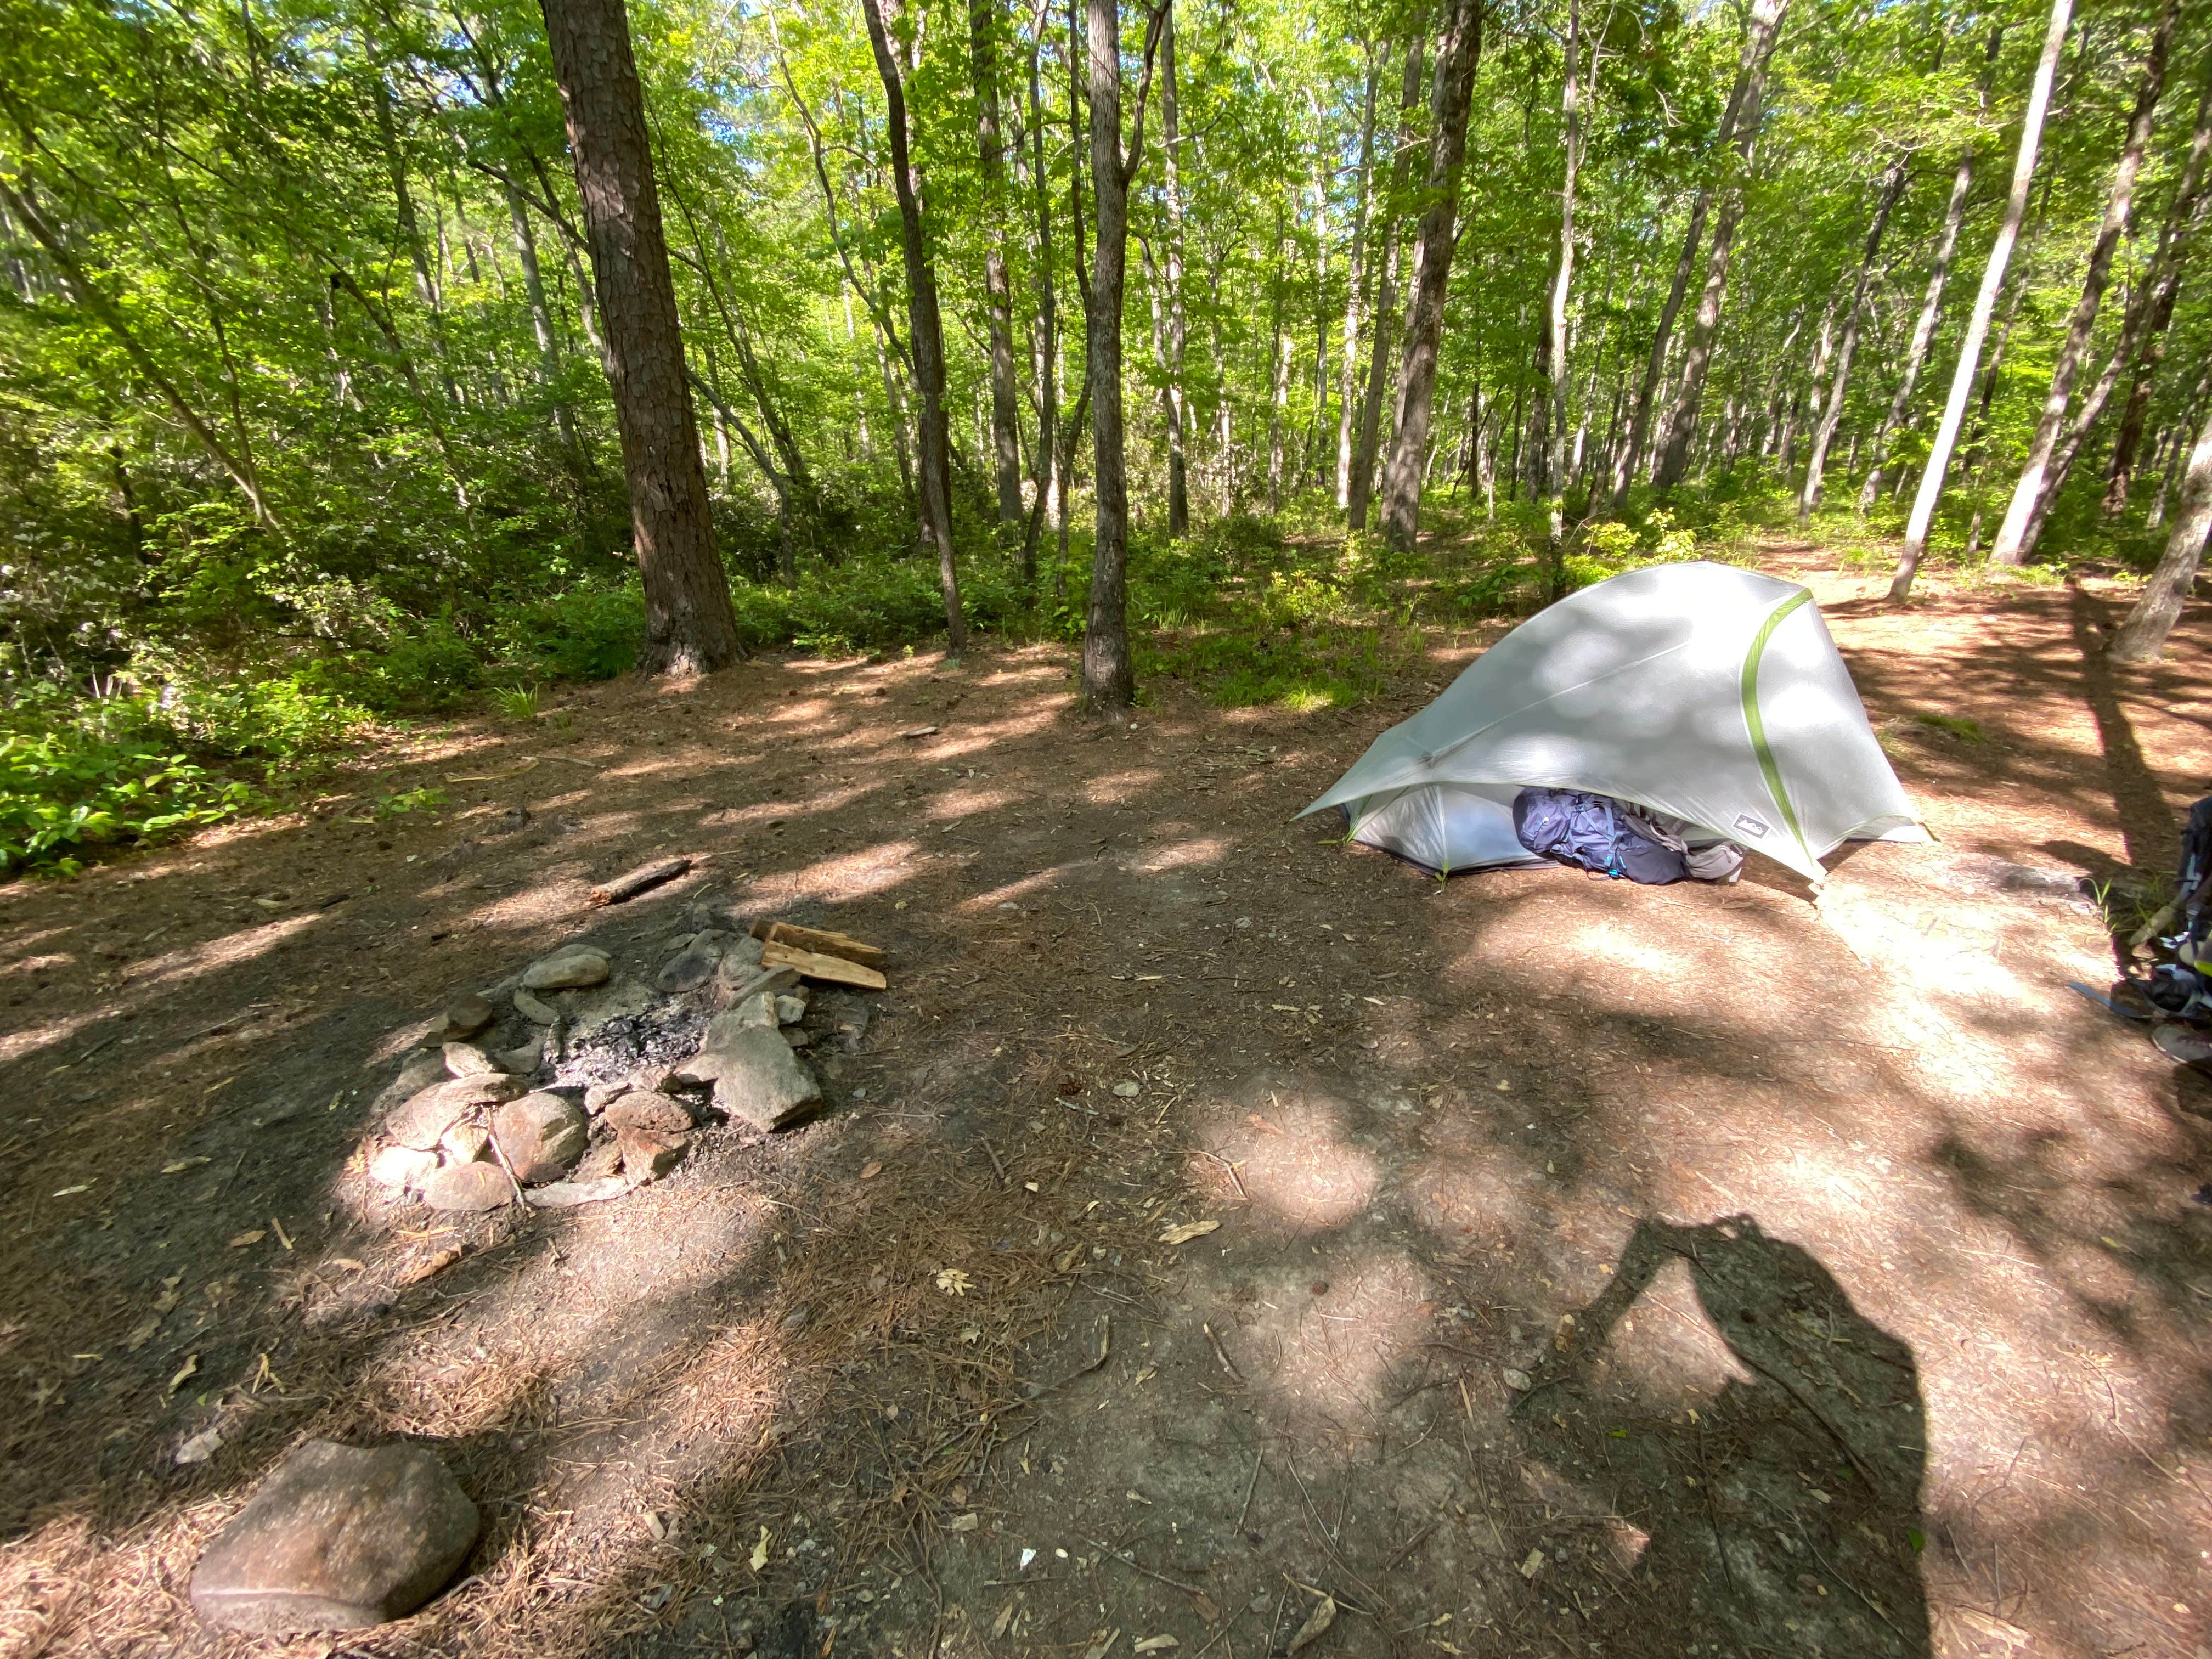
(2177, 986)
(1571, 826)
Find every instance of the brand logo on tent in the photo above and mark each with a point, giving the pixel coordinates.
(1750, 825)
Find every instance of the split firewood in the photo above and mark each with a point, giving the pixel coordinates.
(813, 964)
(628, 886)
(818, 940)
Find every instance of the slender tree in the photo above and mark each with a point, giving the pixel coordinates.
(691, 626)
(1892, 187)
(1985, 303)
(2142, 636)
(983, 18)
(1360, 491)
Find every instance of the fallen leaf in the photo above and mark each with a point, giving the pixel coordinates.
(182, 1164)
(1188, 1230)
(436, 1264)
(1156, 1644)
(759, 1557)
(349, 1264)
(1028, 1556)
(201, 1446)
(142, 1333)
(1005, 1617)
(1128, 1089)
(871, 1168)
(1204, 1605)
(167, 1299)
(1533, 1565)
(954, 1281)
(245, 1239)
(1317, 1626)
(967, 1523)
(189, 1368)
(1100, 1640)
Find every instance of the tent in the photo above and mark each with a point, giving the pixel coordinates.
(1707, 692)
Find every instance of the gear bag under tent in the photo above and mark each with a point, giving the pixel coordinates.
(1700, 690)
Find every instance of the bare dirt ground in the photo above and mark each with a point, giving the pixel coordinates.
(1603, 1270)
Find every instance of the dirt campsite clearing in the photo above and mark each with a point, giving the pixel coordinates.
(1214, 1238)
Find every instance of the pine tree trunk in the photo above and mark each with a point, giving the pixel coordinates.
(1459, 49)
(1825, 433)
(998, 293)
(925, 334)
(2016, 537)
(689, 624)
(2142, 637)
(1978, 325)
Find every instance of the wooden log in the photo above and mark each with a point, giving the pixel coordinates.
(812, 964)
(630, 884)
(821, 940)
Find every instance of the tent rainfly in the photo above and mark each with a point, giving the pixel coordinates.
(1701, 691)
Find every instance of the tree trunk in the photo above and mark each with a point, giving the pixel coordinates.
(1555, 345)
(925, 333)
(2014, 540)
(999, 304)
(1347, 416)
(689, 624)
(541, 325)
(1978, 325)
(1278, 360)
(1825, 433)
(2160, 291)
(1109, 681)
(1170, 117)
(1361, 491)
(1639, 430)
(1459, 49)
(1681, 423)
(1051, 484)
(2142, 637)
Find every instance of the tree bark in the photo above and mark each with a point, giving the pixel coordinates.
(1985, 301)
(2160, 290)
(1639, 428)
(1347, 417)
(1051, 484)
(1279, 361)
(998, 294)
(1361, 491)
(1825, 433)
(1555, 343)
(2142, 637)
(2013, 541)
(1681, 423)
(689, 624)
(925, 334)
(1178, 414)
(1108, 681)
(1459, 49)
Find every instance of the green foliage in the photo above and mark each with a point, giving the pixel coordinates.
(399, 805)
(1964, 727)
(593, 631)
(516, 702)
(434, 669)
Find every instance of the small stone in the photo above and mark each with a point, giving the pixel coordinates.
(758, 1009)
(401, 1168)
(798, 1037)
(465, 1059)
(741, 957)
(422, 1117)
(534, 1009)
(337, 1538)
(598, 1096)
(1517, 1380)
(791, 1008)
(1128, 1089)
(643, 1109)
(540, 1136)
(467, 1187)
(567, 968)
(523, 1061)
(756, 1078)
(695, 963)
(465, 1142)
(464, 1018)
(649, 1154)
(751, 980)
(601, 1161)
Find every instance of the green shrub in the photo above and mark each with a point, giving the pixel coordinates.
(591, 632)
(73, 790)
(434, 669)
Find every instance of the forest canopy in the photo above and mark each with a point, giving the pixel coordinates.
(329, 394)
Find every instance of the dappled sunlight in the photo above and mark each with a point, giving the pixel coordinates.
(1323, 1333)
(1120, 788)
(1198, 851)
(1290, 1153)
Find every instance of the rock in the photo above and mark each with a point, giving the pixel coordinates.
(524, 1060)
(467, 1187)
(601, 1162)
(565, 1194)
(649, 1154)
(598, 1096)
(757, 1010)
(739, 979)
(464, 1059)
(419, 1120)
(643, 1109)
(791, 1007)
(465, 1142)
(401, 1167)
(694, 964)
(798, 1037)
(416, 1073)
(541, 1135)
(567, 968)
(536, 1009)
(740, 955)
(462, 1018)
(337, 1538)
(621, 999)
(755, 1076)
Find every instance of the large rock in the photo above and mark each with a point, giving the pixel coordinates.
(337, 1538)
(567, 968)
(401, 1167)
(464, 1018)
(649, 1154)
(694, 964)
(417, 1072)
(644, 1110)
(534, 1009)
(541, 1135)
(466, 1188)
(466, 1060)
(422, 1118)
(756, 1078)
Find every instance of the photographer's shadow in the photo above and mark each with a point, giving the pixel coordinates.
(1783, 1514)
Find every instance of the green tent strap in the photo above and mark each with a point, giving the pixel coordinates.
(1751, 715)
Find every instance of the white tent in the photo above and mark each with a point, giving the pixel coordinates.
(1703, 691)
